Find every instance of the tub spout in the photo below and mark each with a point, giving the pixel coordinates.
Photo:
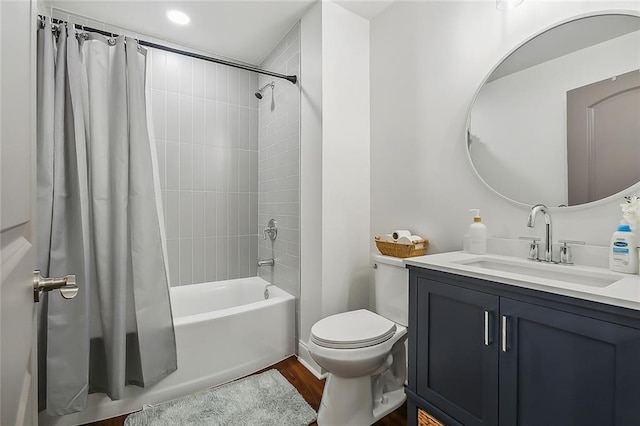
(266, 262)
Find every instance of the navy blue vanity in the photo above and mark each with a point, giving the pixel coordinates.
(488, 353)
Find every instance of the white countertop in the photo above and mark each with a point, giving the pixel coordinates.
(624, 292)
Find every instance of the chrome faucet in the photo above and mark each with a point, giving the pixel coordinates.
(266, 262)
(531, 222)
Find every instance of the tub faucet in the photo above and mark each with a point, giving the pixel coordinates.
(531, 222)
(266, 262)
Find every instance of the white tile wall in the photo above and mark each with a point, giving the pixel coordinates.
(206, 127)
(278, 166)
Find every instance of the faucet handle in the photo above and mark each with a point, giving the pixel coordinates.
(566, 256)
(270, 230)
(533, 247)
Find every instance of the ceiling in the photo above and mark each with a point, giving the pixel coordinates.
(242, 30)
(368, 9)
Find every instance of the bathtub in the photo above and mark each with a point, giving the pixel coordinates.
(224, 330)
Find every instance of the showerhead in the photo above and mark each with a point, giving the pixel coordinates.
(261, 91)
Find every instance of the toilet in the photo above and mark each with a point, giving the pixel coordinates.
(364, 353)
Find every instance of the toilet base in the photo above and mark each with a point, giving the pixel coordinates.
(394, 399)
(349, 402)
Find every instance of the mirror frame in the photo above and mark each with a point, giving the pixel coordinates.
(632, 190)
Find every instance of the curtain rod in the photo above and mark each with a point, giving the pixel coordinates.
(292, 78)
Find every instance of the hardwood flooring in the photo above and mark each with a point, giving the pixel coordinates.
(309, 387)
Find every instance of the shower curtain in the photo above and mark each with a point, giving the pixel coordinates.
(97, 218)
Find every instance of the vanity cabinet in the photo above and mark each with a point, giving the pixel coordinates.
(456, 370)
(484, 353)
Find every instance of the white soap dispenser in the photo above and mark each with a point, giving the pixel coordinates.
(477, 235)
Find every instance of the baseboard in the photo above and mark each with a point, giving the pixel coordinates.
(305, 359)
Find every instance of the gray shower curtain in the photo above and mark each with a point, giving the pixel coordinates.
(97, 218)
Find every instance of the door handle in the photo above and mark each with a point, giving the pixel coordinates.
(505, 347)
(66, 285)
(487, 336)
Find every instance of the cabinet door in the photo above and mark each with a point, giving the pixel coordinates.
(457, 351)
(566, 369)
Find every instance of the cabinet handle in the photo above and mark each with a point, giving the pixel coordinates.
(504, 334)
(486, 328)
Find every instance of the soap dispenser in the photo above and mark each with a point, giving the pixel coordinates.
(477, 235)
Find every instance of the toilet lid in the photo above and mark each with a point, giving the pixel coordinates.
(352, 330)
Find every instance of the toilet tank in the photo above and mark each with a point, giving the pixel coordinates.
(391, 288)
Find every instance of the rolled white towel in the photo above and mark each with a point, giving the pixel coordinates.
(411, 239)
(416, 240)
(399, 233)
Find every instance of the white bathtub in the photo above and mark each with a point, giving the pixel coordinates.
(224, 331)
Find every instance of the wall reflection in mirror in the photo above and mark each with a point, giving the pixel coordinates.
(558, 121)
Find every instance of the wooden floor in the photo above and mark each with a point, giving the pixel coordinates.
(308, 386)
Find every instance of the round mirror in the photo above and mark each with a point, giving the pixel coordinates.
(558, 120)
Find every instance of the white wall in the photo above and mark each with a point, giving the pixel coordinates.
(345, 157)
(531, 105)
(310, 176)
(427, 61)
(335, 208)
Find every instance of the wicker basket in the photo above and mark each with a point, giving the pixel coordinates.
(425, 419)
(390, 248)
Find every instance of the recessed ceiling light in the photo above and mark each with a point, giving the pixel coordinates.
(178, 17)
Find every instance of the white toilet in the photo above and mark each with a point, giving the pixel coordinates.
(364, 352)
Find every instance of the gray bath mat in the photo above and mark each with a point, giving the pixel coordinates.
(262, 399)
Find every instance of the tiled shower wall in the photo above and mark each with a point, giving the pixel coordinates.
(279, 166)
(206, 127)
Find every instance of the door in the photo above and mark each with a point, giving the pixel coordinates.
(560, 368)
(603, 138)
(457, 351)
(17, 239)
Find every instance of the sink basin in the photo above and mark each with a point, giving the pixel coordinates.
(544, 270)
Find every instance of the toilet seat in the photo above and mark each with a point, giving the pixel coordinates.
(352, 330)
